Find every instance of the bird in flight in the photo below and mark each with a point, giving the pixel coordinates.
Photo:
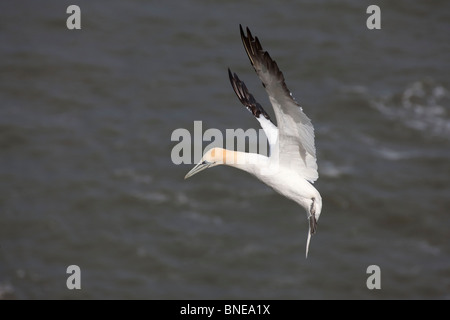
(291, 168)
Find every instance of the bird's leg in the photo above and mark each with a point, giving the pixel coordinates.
(312, 217)
(312, 230)
(312, 224)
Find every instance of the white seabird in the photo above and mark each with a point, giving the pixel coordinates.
(291, 167)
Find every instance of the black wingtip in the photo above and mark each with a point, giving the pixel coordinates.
(230, 75)
(245, 97)
(242, 33)
(249, 33)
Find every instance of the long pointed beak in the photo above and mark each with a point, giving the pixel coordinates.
(199, 167)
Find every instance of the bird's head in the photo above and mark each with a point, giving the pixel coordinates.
(211, 158)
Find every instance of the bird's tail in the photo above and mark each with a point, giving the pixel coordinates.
(307, 242)
(311, 231)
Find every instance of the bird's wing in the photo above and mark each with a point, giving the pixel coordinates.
(295, 130)
(254, 107)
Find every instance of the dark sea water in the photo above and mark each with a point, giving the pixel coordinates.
(86, 176)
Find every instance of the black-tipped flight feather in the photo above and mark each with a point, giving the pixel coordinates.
(245, 96)
(296, 132)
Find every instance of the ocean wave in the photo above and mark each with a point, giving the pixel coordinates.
(133, 175)
(422, 105)
(6, 291)
(395, 155)
(153, 197)
(331, 170)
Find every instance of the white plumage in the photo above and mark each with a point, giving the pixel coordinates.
(291, 167)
